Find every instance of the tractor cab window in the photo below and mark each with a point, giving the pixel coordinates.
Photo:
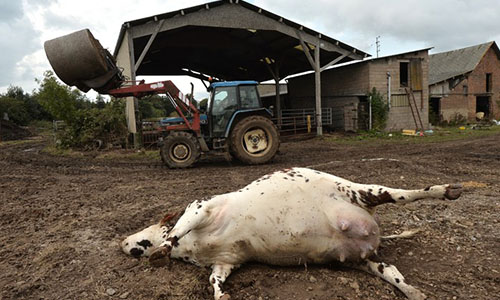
(249, 97)
(225, 103)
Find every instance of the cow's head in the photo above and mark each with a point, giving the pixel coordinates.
(145, 242)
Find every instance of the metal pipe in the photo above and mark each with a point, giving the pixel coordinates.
(370, 125)
(389, 89)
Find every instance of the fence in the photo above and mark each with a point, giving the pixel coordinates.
(295, 121)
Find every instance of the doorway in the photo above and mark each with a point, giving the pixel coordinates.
(435, 110)
(483, 105)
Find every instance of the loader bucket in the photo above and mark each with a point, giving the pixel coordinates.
(78, 59)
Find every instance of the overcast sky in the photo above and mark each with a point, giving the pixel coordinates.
(403, 25)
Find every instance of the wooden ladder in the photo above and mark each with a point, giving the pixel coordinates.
(415, 113)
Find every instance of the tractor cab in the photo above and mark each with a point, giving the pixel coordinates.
(228, 101)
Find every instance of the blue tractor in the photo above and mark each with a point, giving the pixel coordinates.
(233, 121)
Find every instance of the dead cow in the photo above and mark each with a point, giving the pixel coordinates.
(290, 217)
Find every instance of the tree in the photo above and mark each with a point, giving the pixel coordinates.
(15, 110)
(56, 98)
(33, 108)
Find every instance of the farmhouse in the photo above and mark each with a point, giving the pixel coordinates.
(401, 79)
(464, 82)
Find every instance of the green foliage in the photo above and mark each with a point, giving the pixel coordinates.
(56, 98)
(21, 107)
(155, 107)
(15, 109)
(91, 127)
(88, 124)
(380, 110)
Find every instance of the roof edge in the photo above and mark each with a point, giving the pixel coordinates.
(244, 4)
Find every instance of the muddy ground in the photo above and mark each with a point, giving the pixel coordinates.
(62, 218)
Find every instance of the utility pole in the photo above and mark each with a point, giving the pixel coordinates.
(377, 41)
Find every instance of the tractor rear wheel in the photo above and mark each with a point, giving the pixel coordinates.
(180, 150)
(254, 140)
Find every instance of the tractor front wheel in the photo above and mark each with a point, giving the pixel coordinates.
(254, 140)
(180, 150)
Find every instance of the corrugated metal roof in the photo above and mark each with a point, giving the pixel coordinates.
(446, 65)
(244, 4)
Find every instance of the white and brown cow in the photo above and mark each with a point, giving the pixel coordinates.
(290, 217)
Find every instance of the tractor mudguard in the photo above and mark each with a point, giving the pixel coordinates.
(253, 111)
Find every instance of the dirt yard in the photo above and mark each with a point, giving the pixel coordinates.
(63, 217)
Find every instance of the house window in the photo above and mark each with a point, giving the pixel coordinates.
(489, 82)
(466, 89)
(403, 74)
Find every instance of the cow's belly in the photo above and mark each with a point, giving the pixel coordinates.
(283, 235)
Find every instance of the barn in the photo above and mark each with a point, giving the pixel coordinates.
(401, 79)
(228, 40)
(464, 82)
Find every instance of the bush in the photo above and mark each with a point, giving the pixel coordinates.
(15, 109)
(91, 128)
(380, 110)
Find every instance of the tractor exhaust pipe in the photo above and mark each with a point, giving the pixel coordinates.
(78, 59)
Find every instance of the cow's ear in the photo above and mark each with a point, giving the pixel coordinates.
(168, 219)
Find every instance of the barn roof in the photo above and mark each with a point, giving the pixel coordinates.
(446, 65)
(227, 39)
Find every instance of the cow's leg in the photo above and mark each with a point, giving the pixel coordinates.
(217, 278)
(391, 274)
(195, 216)
(369, 196)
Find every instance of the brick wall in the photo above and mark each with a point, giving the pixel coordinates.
(477, 83)
(460, 101)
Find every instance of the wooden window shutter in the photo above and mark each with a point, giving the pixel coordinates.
(416, 74)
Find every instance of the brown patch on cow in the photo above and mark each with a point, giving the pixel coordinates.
(354, 198)
(174, 241)
(373, 200)
(380, 268)
(169, 219)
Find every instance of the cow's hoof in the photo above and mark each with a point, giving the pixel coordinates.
(160, 257)
(453, 191)
(225, 297)
(414, 294)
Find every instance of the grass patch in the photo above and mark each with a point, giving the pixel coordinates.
(19, 142)
(131, 154)
(439, 135)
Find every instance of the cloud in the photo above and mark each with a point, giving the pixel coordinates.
(17, 39)
(444, 24)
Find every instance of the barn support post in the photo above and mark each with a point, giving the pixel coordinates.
(315, 64)
(276, 75)
(317, 79)
(148, 45)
